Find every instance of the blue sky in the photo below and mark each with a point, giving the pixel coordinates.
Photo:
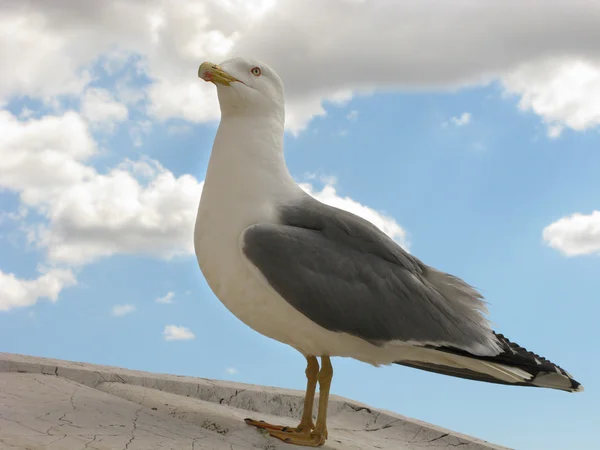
(100, 174)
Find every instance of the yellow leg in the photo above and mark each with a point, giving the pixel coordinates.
(317, 437)
(325, 377)
(312, 373)
(306, 424)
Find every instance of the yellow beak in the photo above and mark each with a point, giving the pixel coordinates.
(213, 73)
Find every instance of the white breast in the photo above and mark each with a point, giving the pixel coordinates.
(243, 185)
(220, 222)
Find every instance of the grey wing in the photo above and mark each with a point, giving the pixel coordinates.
(343, 273)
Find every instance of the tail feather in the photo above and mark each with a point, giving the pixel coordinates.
(514, 365)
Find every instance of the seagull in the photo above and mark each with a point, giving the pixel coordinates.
(322, 280)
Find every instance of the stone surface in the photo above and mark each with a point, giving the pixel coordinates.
(55, 404)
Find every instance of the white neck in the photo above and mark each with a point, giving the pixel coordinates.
(247, 162)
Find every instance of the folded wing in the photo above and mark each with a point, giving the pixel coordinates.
(346, 275)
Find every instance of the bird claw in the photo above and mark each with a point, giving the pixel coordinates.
(261, 424)
(300, 435)
(305, 438)
(268, 426)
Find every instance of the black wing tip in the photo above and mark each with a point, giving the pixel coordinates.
(472, 375)
(576, 386)
(546, 364)
(544, 373)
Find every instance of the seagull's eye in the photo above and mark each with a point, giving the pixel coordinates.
(256, 71)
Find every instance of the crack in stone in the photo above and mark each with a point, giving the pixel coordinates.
(231, 397)
(438, 438)
(63, 419)
(39, 382)
(374, 420)
(72, 401)
(2, 441)
(416, 434)
(358, 408)
(87, 444)
(387, 425)
(394, 422)
(137, 415)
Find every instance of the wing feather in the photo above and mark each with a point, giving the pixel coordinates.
(343, 273)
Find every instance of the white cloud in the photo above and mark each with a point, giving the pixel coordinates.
(565, 92)
(458, 121)
(388, 225)
(122, 310)
(462, 120)
(14, 216)
(176, 333)
(101, 109)
(40, 157)
(186, 99)
(555, 130)
(137, 207)
(574, 235)
(115, 60)
(299, 111)
(16, 292)
(445, 51)
(352, 116)
(41, 61)
(116, 213)
(26, 113)
(167, 299)
(139, 130)
(231, 371)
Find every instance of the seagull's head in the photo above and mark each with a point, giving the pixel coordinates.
(245, 86)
